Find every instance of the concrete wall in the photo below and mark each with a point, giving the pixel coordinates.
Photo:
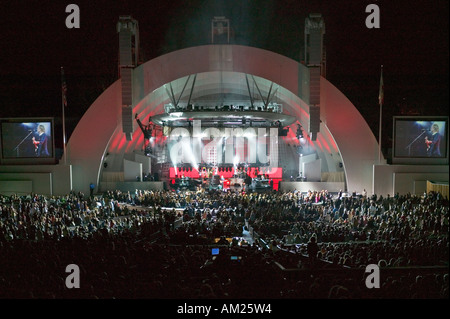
(45, 179)
(313, 186)
(88, 142)
(145, 161)
(356, 142)
(16, 187)
(132, 170)
(403, 179)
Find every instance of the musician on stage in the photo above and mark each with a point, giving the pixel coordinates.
(434, 142)
(41, 142)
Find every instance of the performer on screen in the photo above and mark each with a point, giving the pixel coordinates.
(40, 143)
(434, 143)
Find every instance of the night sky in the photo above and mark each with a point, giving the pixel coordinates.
(411, 44)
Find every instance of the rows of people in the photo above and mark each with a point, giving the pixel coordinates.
(39, 235)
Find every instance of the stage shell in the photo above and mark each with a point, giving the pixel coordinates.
(345, 141)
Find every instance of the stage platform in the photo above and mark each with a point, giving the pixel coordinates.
(131, 186)
(283, 186)
(313, 186)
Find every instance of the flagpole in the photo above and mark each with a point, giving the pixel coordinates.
(63, 102)
(380, 101)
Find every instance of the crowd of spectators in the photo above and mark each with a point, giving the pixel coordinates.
(157, 244)
(401, 230)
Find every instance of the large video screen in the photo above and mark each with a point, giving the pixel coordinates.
(420, 140)
(27, 139)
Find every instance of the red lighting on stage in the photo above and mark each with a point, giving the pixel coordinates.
(272, 173)
(183, 171)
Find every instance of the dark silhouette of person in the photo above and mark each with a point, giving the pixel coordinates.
(222, 241)
(91, 189)
(312, 249)
(147, 130)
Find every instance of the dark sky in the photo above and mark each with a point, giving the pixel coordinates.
(412, 45)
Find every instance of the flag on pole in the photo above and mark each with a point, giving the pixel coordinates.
(64, 105)
(381, 101)
(381, 92)
(63, 87)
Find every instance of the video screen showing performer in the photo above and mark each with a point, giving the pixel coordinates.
(420, 138)
(27, 139)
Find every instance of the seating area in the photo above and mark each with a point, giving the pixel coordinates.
(223, 245)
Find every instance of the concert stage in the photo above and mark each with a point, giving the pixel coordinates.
(221, 107)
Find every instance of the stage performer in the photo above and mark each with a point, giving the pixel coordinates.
(434, 142)
(147, 130)
(41, 142)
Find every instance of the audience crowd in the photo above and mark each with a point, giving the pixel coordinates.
(158, 244)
